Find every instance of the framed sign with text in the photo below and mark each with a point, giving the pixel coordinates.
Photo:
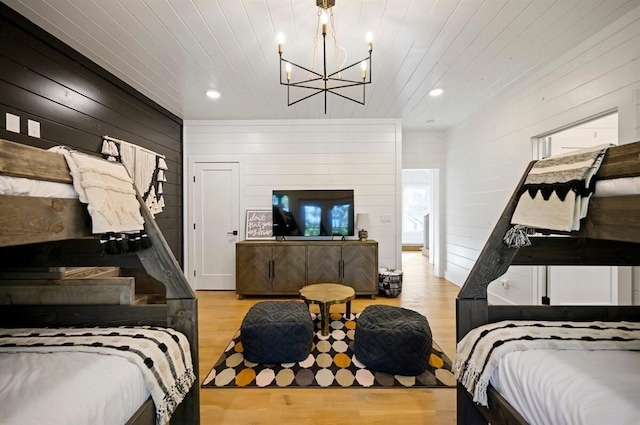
(259, 224)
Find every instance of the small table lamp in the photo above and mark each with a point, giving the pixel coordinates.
(362, 223)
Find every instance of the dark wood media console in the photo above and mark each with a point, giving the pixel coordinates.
(283, 267)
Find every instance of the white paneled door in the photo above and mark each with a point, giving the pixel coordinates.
(215, 224)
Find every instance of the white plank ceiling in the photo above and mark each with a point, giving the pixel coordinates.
(173, 51)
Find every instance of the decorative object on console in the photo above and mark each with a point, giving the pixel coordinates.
(146, 168)
(259, 224)
(326, 82)
(362, 223)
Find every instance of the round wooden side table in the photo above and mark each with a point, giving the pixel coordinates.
(325, 295)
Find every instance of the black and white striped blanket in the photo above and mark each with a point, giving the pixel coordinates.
(480, 351)
(555, 194)
(162, 354)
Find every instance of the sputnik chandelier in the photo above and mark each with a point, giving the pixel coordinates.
(324, 82)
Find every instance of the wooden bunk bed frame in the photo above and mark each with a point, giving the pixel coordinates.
(609, 236)
(54, 232)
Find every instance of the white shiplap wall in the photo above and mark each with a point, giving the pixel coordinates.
(423, 149)
(487, 153)
(364, 155)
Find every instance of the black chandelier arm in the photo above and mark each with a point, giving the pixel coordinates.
(345, 83)
(318, 91)
(298, 66)
(329, 90)
(347, 97)
(301, 84)
(351, 83)
(310, 80)
(351, 66)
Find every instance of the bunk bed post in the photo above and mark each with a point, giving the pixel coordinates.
(182, 307)
(466, 410)
(493, 262)
(471, 313)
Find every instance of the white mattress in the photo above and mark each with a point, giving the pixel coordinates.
(572, 387)
(28, 187)
(617, 187)
(68, 388)
(17, 186)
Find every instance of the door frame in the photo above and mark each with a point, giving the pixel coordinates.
(189, 207)
(621, 289)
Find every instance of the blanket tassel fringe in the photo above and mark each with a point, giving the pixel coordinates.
(518, 236)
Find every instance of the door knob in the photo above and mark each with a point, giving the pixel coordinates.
(234, 233)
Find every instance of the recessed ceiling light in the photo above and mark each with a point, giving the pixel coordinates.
(213, 94)
(436, 92)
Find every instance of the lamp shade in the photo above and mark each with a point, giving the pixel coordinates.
(362, 221)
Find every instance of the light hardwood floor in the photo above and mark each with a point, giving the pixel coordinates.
(220, 314)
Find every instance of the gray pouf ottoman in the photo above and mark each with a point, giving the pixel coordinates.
(393, 340)
(277, 332)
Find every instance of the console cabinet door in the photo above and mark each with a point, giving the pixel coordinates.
(253, 273)
(324, 263)
(360, 267)
(289, 268)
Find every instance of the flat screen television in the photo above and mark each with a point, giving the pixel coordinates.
(313, 213)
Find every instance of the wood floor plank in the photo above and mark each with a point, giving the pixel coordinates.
(220, 314)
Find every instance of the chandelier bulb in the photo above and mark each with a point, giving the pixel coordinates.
(280, 38)
(370, 41)
(363, 66)
(323, 20)
(287, 68)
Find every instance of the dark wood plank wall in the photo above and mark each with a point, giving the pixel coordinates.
(76, 102)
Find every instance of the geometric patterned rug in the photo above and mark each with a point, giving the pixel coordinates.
(331, 364)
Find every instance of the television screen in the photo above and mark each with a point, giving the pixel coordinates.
(313, 213)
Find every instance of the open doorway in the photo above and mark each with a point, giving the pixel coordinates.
(417, 210)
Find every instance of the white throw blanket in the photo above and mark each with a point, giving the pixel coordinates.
(480, 351)
(107, 190)
(147, 168)
(556, 193)
(162, 354)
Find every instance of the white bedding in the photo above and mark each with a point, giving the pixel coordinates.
(617, 187)
(572, 387)
(68, 388)
(18, 186)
